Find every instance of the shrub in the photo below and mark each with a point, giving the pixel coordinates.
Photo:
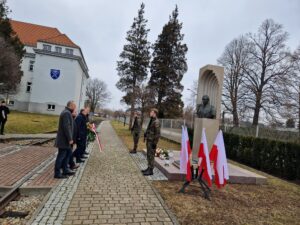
(274, 157)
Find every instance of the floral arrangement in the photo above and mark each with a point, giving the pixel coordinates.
(162, 153)
(90, 134)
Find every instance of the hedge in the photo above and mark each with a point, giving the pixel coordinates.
(277, 158)
(274, 157)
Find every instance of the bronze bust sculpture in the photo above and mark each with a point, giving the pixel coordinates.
(205, 110)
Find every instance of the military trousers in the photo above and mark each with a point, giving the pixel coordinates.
(150, 154)
(136, 137)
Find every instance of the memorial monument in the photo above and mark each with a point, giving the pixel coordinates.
(208, 110)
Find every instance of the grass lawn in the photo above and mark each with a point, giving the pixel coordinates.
(126, 137)
(277, 202)
(30, 123)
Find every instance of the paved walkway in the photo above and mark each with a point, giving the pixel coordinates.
(112, 190)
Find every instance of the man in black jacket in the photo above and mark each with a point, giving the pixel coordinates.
(64, 140)
(81, 137)
(4, 111)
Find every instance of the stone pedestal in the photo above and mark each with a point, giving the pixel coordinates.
(211, 128)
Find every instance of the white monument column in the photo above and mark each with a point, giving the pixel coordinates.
(210, 83)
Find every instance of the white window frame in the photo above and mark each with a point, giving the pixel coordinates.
(28, 85)
(11, 102)
(31, 65)
(47, 47)
(58, 49)
(69, 51)
(51, 107)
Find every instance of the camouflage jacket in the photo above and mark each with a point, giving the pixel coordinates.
(137, 125)
(153, 131)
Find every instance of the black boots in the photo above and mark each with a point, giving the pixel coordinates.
(148, 172)
(133, 151)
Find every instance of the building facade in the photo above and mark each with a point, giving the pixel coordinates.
(54, 71)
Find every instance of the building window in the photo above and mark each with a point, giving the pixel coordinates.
(11, 103)
(47, 48)
(28, 87)
(31, 65)
(51, 107)
(69, 51)
(58, 49)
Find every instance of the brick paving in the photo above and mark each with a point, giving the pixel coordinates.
(55, 208)
(141, 160)
(44, 178)
(16, 165)
(113, 191)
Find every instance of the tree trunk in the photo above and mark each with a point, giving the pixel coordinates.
(299, 110)
(235, 112)
(235, 117)
(256, 113)
(159, 107)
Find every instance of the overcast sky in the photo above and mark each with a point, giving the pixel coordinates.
(99, 27)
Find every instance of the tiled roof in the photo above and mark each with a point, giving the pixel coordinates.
(30, 34)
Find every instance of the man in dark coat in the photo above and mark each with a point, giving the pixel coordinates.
(72, 164)
(64, 140)
(4, 111)
(81, 137)
(136, 131)
(152, 136)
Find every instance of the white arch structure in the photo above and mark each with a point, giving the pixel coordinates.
(210, 83)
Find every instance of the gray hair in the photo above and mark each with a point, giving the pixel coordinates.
(69, 103)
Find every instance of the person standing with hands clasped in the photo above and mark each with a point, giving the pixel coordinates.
(4, 111)
(136, 131)
(152, 136)
(64, 141)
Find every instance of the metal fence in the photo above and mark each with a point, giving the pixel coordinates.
(260, 131)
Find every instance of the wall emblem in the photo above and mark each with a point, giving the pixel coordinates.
(54, 74)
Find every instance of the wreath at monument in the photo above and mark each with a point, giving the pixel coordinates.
(162, 153)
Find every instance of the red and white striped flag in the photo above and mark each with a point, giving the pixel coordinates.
(218, 155)
(185, 166)
(97, 137)
(204, 161)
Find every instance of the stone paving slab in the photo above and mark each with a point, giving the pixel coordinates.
(141, 160)
(112, 189)
(16, 165)
(44, 178)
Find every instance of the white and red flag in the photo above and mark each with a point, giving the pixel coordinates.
(185, 153)
(97, 137)
(204, 161)
(218, 155)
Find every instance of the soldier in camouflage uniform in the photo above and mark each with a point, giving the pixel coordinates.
(136, 131)
(152, 136)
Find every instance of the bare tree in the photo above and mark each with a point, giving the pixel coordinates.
(268, 69)
(97, 93)
(10, 71)
(193, 95)
(291, 107)
(235, 59)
